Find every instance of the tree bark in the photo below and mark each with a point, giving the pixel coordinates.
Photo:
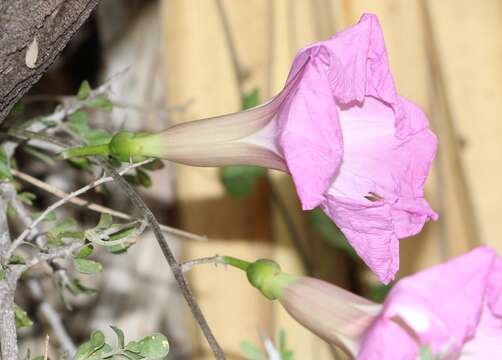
(52, 23)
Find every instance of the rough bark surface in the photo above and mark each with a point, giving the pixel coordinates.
(52, 23)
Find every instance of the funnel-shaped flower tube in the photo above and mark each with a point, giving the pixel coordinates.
(353, 146)
(332, 313)
(454, 309)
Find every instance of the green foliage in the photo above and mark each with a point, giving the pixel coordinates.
(84, 90)
(239, 181)
(84, 252)
(22, 319)
(51, 216)
(153, 347)
(79, 123)
(379, 292)
(76, 287)
(2, 274)
(326, 228)
(427, 354)
(115, 237)
(100, 102)
(65, 229)
(252, 352)
(27, 197)
(251, 99)
(86, 266)
(5, 174)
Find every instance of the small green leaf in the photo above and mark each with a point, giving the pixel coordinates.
(105, 221)
(76, 287)
(79, 163)
(131, 355)
(84, 351)
(251, 352)
(97, 339)
(251, 99)
(144, 179)
(65, 229)
(124, 233)
(2, 274)
(84, 90)
(239, 181)
(327, 229)
(120, 336)
(27, 197)
(84, 252)
(5, 174)
(16, 260)
(133, 346)
(88, 267)
(51, 216)
(154, 346)
(100, 102)
(22, 319)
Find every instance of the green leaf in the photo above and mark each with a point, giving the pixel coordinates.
(84, 90)
(79, 123)
(105, 221)
(144, 179)
(76, 287)
(121, 248)
(84, 252)
(251, 352)
(88, 267)
(97, 339)
(65, 229)
(100, 102)
(154, 346)
(2, 274)
(251, 99)
(39, 357)
(5, 174)
(286, 354)
(27, 197)
(157, 164)
(51, 216)
(239, 181)
(120, 336)
(16, 260)
(427, 354)
(133, 346)
(22, 319)
(79, 163)
(327, 229)
(379, 292)
(84, 351)
(130, 355)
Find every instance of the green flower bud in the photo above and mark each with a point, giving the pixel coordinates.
(266, 276)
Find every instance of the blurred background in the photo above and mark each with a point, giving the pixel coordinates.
(191, 59)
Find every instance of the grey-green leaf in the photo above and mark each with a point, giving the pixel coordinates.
(252, 352)
(100, 102)
(239, 181)
(120, 336)
(97, 339)
(88, 267)
(251, 99)
(154, 346)
(84, 252)
(84, 90)
(22, 319)
(105, 221)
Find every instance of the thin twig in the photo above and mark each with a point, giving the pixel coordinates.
(19, 240)
(169, 256)
(188, 265)
(99, 208)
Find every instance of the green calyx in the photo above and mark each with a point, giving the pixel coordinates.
(263, 274)
(124, 146)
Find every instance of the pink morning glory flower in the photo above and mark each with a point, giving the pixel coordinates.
(452, 310)
(353, 146)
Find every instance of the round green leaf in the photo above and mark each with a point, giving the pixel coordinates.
(154, 346)
(97, 339)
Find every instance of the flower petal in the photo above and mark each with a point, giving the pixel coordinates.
(443, 304)
(310, 135)
(377, 195)
(386, 339)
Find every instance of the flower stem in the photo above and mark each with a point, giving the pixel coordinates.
(238, 263)
(101, 149)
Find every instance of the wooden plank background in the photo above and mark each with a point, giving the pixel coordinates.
(445, 56)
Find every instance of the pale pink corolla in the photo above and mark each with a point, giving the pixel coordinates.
(454, 309)
(353, 146)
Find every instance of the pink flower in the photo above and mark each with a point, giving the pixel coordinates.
(353, 146)
(455, 309)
